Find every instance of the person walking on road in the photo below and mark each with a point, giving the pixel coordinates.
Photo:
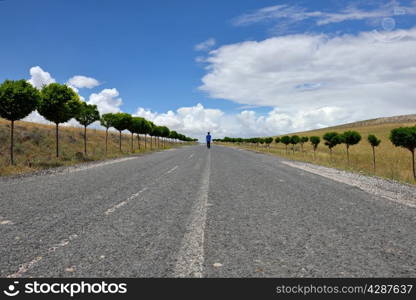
(208, 140)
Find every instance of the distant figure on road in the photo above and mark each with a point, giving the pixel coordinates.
(208, 140)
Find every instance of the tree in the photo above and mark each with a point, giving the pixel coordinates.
(350, 138)
(294, 140)
(164, 133)
(315, 140)
(121, 121)
(17, 100)
(58, 104)
(138, 126)
(374, 142)
(146, 129)
(303, 140)
(173, 135)
(331, 140)
(87, 115)
(268, 141)
(157, 132)
(107, 122)
(405, 137)
(277, 140)
(150, 132)
(285, 140)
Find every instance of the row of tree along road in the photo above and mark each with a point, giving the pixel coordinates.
(400, 137)
(59, 103)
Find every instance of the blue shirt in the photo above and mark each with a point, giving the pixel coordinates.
(208, 138)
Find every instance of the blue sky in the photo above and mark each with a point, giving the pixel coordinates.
(147, 51)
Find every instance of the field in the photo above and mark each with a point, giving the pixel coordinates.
(392, 162)
(34, 147)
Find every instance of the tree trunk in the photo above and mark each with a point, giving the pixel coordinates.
(119, 142)
(348, 155)
(138, 140)
(85, 140)
(151, 143)
(57, 139)
(145, 141)
(330, 154)
(132, 139)
(413, 164)
(11, 142)
(374, 159)
(314, 153)
(106, 140)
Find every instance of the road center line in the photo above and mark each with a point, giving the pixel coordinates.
(122, 203)
(4, 221)
(29, 265)
(171, 170)
(190, 257)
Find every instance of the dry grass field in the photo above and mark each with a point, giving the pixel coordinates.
(392, 162)
(34, 147)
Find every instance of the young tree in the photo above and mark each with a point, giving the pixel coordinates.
(17, 100)
(315, 140)
(58, 104)
(87, 115)
(164, 134)
(277, 140)
(134, 127)
(107, 122)
(405, 137)
(374, 142)
(285, 140)
(350, 138)
(331, 140)
(173, 135)
(121, 121)
(151, 133)
(268, 141)
(139, 127)
(303, 140)
(294, 140)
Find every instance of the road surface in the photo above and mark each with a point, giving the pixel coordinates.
(194, 212)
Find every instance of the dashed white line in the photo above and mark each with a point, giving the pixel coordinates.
(171, 170)
(29, 265)
(4, 221)
(190, 257)
(118, 205)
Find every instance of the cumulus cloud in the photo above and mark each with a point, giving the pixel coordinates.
(107, 101)
(39, 77)
(197, 120)
(340, 78)
(205, 45)
(80, 81)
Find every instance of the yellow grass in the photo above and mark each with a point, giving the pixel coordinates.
(392, 162)
(34, 146)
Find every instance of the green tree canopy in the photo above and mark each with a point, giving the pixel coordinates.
(87, 114)
(59, 103)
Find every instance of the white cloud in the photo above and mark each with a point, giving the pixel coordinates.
(205, 45)
(197, 120)
(80, 81)
(39, 77)
(293, 14)
(107, 101)
(318, 78)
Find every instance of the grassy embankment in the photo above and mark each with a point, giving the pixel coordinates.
(34, 147)
(392, 162)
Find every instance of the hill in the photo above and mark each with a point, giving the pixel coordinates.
(392, 162)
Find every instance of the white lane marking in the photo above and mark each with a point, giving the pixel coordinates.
(122, 203)
(190, 156)
(29, 265)
(95, 165)
(190, 257)
(371, 185)
(171, 170)
(4, 221)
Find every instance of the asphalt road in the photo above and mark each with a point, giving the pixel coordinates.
(194, 212)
